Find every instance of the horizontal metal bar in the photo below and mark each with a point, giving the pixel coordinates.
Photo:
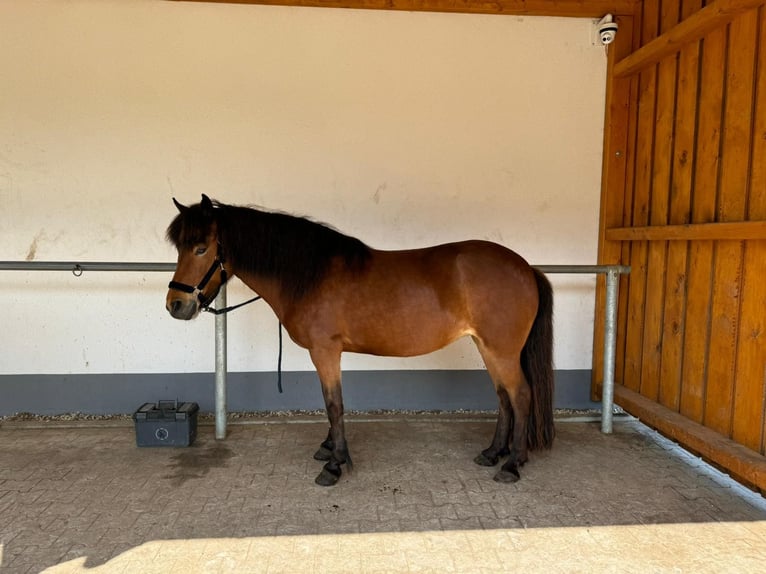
(80, 266)
(598, 269)
(148, 266)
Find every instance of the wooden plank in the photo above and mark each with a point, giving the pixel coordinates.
(573, 8)
(735, 230)
(673, 324)
(749, 421)
(647, 93)
(713, 16)
(613, 183)
(627, 217)
(627, 213)
(735, 163)
(743, 463)
(700, 275)
(654, 310)
(758, 176)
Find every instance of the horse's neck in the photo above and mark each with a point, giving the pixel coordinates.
(267, 288)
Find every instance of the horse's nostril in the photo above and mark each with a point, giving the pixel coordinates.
(175, 306)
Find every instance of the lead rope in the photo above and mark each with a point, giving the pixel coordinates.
(279, 356)
(227, 309)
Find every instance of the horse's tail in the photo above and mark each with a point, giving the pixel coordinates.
(537, 364)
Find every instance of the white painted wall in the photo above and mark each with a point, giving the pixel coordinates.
(404, 129)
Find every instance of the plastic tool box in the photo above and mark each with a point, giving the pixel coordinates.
(166, 423)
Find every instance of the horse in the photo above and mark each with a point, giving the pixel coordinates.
(334, 294)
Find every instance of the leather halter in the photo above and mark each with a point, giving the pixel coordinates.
(205, 302)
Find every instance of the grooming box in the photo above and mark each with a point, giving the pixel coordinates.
(166, 423)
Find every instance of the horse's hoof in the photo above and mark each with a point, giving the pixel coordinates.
(327, 477)
(323, 454)
(507, 476)
(486, 458)
(483, 460)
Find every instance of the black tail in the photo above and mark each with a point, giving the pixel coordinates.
(537, 364)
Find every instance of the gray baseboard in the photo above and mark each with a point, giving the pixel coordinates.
(362, 391)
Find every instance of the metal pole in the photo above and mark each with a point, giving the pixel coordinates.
(220, 366)
(610, 342)
(78, 267)
(577, 269)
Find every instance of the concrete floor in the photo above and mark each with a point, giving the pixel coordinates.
(88, 500)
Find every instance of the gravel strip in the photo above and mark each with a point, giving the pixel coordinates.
(252, 415)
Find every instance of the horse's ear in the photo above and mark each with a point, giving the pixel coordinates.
(181, 208)
(206, 205)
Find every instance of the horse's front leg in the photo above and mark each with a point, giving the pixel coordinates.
(327, 364)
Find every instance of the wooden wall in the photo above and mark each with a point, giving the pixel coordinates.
(684, 204)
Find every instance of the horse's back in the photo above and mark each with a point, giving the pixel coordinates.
(481, 257)
(475, 268)
(461, 274)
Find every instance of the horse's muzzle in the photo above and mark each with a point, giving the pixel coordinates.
(182, 308)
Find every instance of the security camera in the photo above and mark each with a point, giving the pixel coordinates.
(607, 30)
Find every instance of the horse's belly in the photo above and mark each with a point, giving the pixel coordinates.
(403, 336)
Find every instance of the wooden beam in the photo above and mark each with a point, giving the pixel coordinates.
(573, 8)
(712, 16)
(744, 463)
(737, 231)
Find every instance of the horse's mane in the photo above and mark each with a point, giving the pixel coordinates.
(294, 250)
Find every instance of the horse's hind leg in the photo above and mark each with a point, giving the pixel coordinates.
(515, 398)
(499, 447)
(520, 396)
(327, 364)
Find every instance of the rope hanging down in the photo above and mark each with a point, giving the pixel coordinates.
(231, 308)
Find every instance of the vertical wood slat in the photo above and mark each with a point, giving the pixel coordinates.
(616, 133)
(647, 90)
(674, 324)
(700, 266)
(622, 325)
(735, 157)
(749, 420)
(627, 93)
(665, 109)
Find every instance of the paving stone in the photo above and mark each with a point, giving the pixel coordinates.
(415, 502)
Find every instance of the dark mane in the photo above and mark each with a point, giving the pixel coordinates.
(294, 250)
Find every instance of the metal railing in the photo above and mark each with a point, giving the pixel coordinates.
(612, 273)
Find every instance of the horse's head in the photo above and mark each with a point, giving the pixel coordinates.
(200, 270)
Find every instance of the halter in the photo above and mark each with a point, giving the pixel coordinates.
(204, 302)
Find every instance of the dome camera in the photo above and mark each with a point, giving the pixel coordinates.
(607, 30)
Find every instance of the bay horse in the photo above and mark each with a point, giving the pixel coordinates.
(333, 293)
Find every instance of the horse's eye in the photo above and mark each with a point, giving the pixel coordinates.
(200, 250)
